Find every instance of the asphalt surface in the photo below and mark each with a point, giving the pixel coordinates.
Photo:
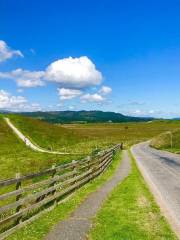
(161, 170)
(77, 226)
(27, 141)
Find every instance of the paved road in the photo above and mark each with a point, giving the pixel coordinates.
(161, 170)
(77, 226)
(27, 141)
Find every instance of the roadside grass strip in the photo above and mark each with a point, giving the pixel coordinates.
(40, 227)
(131, 213)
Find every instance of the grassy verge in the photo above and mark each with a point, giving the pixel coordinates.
(40, 227)
(131, 213)
(169, 141)
(172, 150)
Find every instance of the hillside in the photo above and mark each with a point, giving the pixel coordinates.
(16, 157)
(84, 138)
(168, 141)
(46, 135)
(83, 117)
(61, 138)
(73, 138)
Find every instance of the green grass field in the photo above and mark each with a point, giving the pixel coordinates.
(128, 133)
(131, 213)
(74, 138)
(134, 211)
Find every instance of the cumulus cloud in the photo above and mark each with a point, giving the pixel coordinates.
(74, 76)
(25, 78)
(66, 93)
(28, 79)
(74, 72)
(16, 103)
(70, 73)
(7, 101)
(6, 52)
(98, 97)
(104, 90)
(92, 98)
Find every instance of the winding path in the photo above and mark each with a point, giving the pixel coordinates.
(161, 170)
(77, 226)
(28, 142)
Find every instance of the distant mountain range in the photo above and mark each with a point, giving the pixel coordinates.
(84, 117)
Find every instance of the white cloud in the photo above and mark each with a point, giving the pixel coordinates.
(104, 90)
(7, 53)
(66, 93)
(25, 78)
(28, 79)
(92, 98)
(74, 72)
(73, 75)
(7, 101)
(16, 103)
(98, 97)
(144, 113)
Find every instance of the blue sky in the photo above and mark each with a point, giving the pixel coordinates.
(121, 56)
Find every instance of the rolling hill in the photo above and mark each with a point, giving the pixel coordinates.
(84, 117)
(73, 138)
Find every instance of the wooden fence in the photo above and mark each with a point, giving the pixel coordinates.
(27, 196)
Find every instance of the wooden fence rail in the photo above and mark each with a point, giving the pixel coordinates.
(27, 196)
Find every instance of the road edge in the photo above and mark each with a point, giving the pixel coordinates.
(157, 196)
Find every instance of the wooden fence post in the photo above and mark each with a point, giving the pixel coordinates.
(74, 163)
(89, 162)
(54, 182)
(114, 151)
(121, 147)
(52, 176)
(18, 186)
(99, 155)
